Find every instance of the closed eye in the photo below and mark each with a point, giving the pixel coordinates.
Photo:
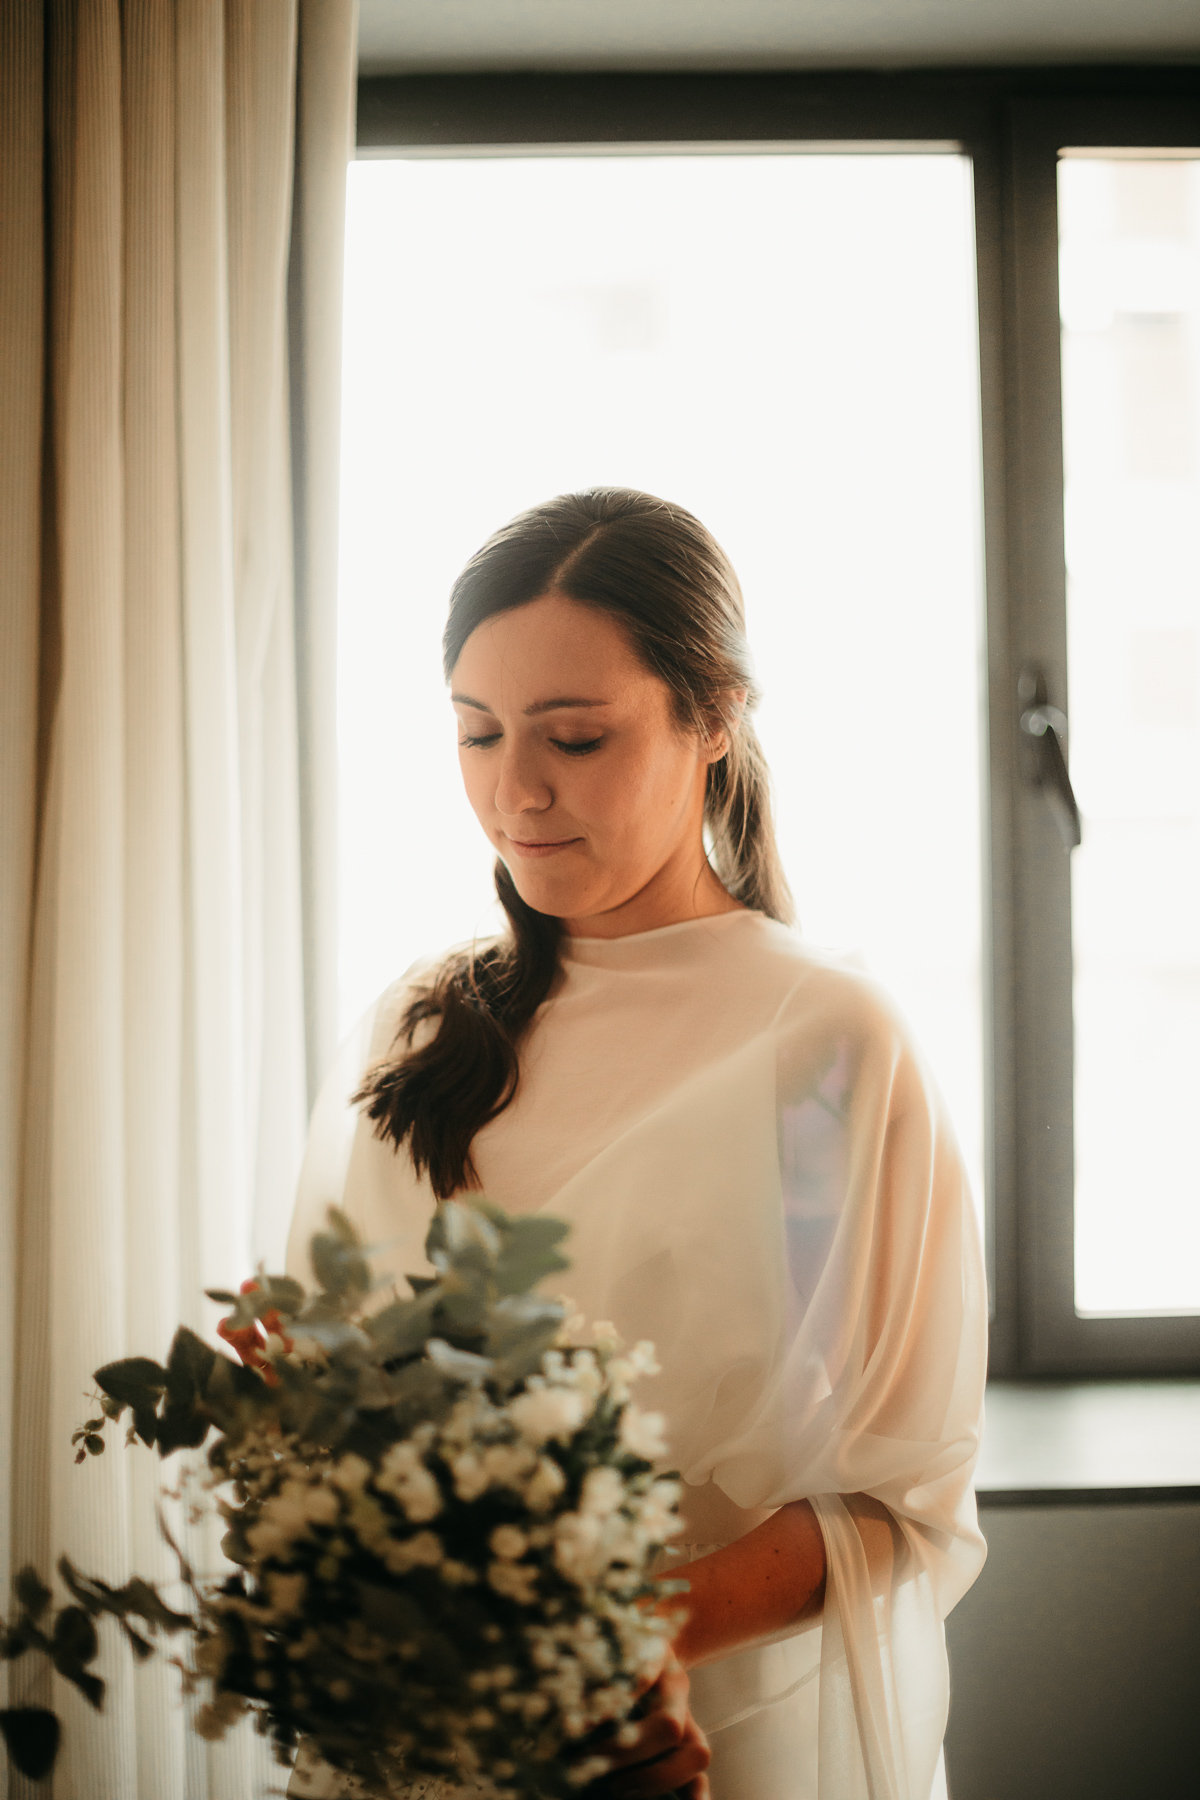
(577, 749)
(479, 743)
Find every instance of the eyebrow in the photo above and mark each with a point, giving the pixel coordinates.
(538, 706)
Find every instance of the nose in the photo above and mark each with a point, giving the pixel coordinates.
(520, 787)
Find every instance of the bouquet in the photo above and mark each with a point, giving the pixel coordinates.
(440, 1513)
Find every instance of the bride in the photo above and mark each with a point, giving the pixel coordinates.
(757, 1168)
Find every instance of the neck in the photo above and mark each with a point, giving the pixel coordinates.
(675, 895)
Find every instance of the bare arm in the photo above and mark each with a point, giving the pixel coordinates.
(753, 1588)
(738, 1595)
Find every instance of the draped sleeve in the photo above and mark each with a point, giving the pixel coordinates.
(873, 1408)
(794, 1228)
(779, 1203)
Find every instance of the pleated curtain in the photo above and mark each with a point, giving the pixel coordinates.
(172, 180)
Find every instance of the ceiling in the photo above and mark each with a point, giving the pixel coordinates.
(405, 36)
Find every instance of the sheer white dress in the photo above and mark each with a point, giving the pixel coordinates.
(760, 1176)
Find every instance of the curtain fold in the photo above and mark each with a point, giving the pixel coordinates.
(165, 936)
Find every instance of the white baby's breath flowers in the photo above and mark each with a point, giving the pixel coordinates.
(516, 1581)
(603, 1491)
(548, 1468)
(544, 1485)
(542, 1413)
(643, 1433)
(282, 1520)
(470, 1475)
(508, 1542)
(321, 1505)
(286, 1592)
(579, 1548)
(422, 1551)
(507, 1465)
(656, 1513)
(351, 1473)
(403, 1474)
(457, 1574)
(590, 1768)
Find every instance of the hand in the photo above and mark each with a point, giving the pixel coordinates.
(670, 1752)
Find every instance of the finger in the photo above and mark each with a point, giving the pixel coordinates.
(670, 1691)
(656, 1735)
(666, 1776)
(662, 1725)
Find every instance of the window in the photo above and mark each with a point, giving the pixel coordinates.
(1129, 258)
(1104, 612)
(825, 314)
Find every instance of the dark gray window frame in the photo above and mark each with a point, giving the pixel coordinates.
(1012, 125)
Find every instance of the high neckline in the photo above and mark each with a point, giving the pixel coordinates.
(689, 940)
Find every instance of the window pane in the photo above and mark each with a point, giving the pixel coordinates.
(1130, 283)
(784, 344)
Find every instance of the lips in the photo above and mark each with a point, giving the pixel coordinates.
(533, 848)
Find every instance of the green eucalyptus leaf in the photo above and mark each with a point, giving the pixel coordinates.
(189, 1366)
(460, 1364)
(340, 1268)
(283, 1293)
(530, 1254)
(343, 1228)
(139, 1383)
(182, 1427)
(401, 1328)
(458, 1232)
(421, 1284)
(132, 1378)
(466, 1308)
(336, 1335)
(32, 1735)
(521, 1330)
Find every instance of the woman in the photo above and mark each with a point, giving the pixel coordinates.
(757, 1169)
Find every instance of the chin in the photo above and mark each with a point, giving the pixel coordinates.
(558, 899)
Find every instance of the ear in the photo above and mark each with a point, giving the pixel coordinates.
(720, 742)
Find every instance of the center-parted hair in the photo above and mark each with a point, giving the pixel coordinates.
(656, 570)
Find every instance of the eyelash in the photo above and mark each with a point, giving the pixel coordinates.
(485, 743)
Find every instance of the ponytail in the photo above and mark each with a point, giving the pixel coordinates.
(737, 811)
(670, 585)
(437, 1097)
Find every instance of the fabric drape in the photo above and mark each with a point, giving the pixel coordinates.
(170, 277)
(760, 1176)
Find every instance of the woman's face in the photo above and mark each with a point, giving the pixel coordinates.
(579, 773)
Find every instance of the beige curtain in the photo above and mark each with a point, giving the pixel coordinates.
(172, 177)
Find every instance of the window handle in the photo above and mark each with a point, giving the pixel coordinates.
(1044, 735)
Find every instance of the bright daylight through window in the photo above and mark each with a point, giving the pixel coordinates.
(785, 344)
(1130, 284)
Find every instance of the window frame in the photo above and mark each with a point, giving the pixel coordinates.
(1011, 123)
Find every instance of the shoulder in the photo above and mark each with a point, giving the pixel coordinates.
(810, 983)
(832, 1013)
(387, 1012)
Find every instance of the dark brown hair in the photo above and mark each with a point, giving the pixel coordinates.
(655, 568)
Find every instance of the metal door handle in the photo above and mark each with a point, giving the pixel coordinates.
(1044, 732)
